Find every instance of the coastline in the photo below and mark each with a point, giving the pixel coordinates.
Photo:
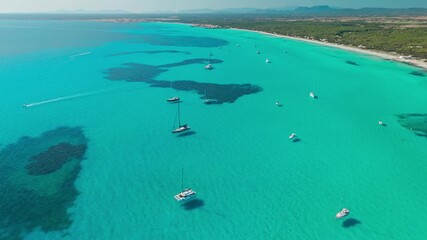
(419, 63)
(385, 55)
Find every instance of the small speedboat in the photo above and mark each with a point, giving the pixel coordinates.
(181, 128)
(185, 196)
(173, 99)
(209, 67)
(343, 213)
(267, 61)
(312, 95)
(380, 123)
(293, 135)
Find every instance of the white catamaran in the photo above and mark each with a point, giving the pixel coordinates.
(185, 195)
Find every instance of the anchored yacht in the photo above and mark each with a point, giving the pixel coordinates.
(343, 213)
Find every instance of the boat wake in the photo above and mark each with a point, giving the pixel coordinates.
(53, 100)
(80, 54)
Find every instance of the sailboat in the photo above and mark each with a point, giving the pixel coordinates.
(185, 195)
(181, 128)
(172, 99)
(209, 67)
(312, 95)
(207, 100)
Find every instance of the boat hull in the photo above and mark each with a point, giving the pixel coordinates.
(181, 129)
(174, 99)
(343, 213)
(185, 196)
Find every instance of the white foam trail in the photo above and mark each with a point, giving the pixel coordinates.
(66, 98)
(80, 54)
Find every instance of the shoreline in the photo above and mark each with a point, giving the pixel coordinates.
(385, 55)
(419, 63)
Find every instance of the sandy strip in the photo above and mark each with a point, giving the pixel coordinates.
(388, 56)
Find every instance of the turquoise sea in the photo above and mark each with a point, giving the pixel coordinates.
(91, 154)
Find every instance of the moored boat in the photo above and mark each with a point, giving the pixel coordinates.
(185, 196)
(183, 127)
(209, 67)
(173, 99)
(343, 213)
(209, 101)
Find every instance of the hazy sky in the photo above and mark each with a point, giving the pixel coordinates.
(174, 5)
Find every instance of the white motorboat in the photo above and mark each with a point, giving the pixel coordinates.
(267, 61)
(312, 95)
(293, 135)
(343, 213)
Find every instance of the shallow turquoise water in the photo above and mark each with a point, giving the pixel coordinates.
(252, 182)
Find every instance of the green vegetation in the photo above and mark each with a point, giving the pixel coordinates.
(389, 35)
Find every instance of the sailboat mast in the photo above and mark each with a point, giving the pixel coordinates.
(179, 116)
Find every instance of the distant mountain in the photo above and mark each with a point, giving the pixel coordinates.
(83, 11)
(328, 11)
(322, 10)
(227, 10)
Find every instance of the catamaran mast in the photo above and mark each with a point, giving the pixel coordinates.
(182, 178)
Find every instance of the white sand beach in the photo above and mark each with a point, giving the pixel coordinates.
(385, 55)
